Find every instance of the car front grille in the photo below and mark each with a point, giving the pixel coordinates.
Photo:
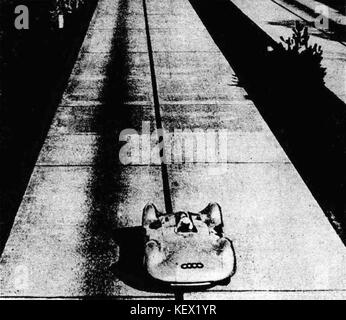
(194, 265)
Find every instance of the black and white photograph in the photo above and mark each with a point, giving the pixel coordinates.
(172, 150)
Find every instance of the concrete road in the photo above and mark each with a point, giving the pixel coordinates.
(76, 230)
(282, 237)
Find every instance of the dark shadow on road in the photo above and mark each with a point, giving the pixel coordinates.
(308, 120)
(106, 231)
(35, 65)
(105, 187)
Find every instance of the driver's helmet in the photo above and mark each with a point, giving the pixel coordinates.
(185, 223)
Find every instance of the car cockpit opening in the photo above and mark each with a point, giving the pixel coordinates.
(185, 223)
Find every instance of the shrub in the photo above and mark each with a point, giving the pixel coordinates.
(303, 60)
(67, 6)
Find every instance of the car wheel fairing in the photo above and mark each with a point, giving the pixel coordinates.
(226, 252)
(224, 245)
(215, 214)
(150, 215)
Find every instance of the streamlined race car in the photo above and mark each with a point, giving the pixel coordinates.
(187, 249)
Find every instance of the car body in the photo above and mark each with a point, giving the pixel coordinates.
(187, 249)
